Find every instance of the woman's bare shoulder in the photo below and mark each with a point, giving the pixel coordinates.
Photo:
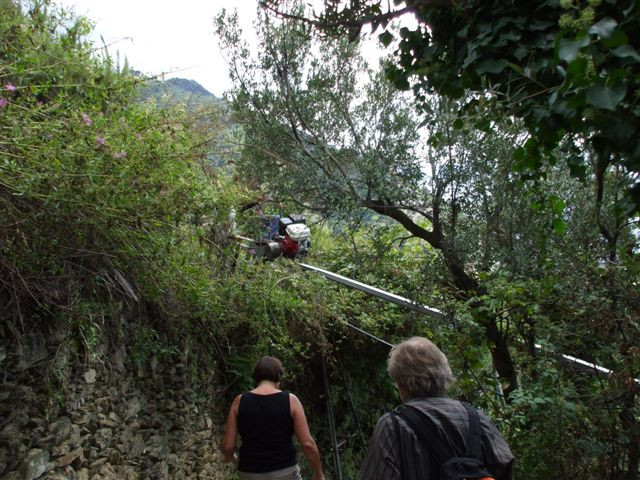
(236, 402)
(293, 399)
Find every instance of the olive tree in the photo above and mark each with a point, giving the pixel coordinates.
(331, 134)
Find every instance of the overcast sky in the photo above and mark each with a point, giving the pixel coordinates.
(175, 37)
(160, 36)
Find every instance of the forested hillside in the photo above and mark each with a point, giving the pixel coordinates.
(130, 315)
(175, 91)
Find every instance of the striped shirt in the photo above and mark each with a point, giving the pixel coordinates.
(395, 453)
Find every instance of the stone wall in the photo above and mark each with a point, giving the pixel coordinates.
(63, 416)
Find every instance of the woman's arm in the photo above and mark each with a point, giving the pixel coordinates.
(228, 447)
(308, 444)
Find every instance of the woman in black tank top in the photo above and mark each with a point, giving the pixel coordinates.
(266, 419)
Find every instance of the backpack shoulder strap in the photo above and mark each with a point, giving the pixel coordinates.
(425, 432)
(396, 428)
(474, 440)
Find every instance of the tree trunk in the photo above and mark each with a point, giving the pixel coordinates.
(467, 286)
(630, 425)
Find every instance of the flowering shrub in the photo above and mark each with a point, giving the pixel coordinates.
(91, 181)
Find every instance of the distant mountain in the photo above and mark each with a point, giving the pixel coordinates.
(179, 90)
(211, 112)
(189, 86)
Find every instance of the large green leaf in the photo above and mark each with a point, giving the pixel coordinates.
(578, 67)
(557, 204)
(568, 49)
(626, 51)
(605, 97)
(604, 28)
(617, 38)
(385, 38)
(491, 66)
(559, 226)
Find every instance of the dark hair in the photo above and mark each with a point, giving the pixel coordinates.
(268, 368)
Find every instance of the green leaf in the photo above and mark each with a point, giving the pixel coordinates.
(617, 39)
(578, 67)
(540, 25)
(491, 66)
(559, 226)
(557, 205)
(385, 38)
(471, 57)
(604, 28)
(401, 83)
(577, 167)
(516, 68)
(458, 123)
(605, 97)
(570, 406)
(484, 125)
(625, 51)
(568, 49)
(520, 52)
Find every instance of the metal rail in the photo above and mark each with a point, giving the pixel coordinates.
(432, 312)
(585, 366)
(376, 292)
(435, 313)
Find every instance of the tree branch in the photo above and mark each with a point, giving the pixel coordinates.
(406, 221)
(354, 23)
(285, 86)
(426, 215)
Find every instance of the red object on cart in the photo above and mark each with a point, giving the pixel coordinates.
(289, 247)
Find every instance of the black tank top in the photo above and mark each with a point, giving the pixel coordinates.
(266, 429)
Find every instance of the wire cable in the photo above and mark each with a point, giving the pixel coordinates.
(391, 345)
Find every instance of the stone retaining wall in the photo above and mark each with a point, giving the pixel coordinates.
(107, 420)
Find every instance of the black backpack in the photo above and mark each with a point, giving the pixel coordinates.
(469, 465)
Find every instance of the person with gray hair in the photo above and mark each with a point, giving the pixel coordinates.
(423, 377)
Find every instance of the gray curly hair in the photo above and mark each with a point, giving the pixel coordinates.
(420, 368)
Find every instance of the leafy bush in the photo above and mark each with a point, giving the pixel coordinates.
(101, 197)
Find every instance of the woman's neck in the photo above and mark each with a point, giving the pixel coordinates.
(266, 387)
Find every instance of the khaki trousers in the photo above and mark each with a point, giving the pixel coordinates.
(289, 473)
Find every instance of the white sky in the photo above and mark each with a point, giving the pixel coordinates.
(172, 37)
(162, 36)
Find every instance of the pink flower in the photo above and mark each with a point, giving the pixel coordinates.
(101, 141)
(120, 154)
(86, 119)
(3, 102)
(10, 86)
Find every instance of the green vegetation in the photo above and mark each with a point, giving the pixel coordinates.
(116, 215)
(435, 194)
(96, 190)
(568, 68)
